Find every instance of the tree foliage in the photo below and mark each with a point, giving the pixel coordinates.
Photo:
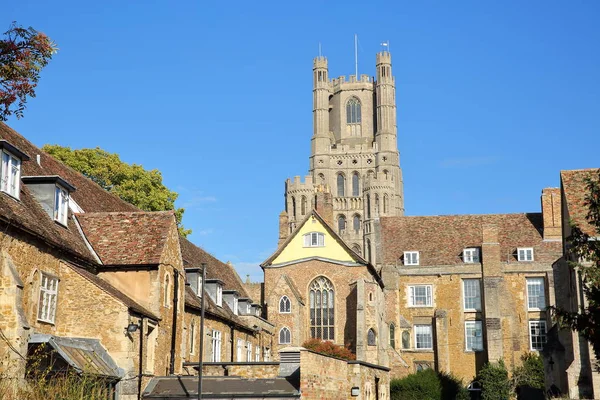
(494, 381)
(131, 182)
(530, 373)
(428, 384)
(23, 54)
(585, 248)
(328, 348)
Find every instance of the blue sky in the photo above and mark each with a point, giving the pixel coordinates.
(494, 98)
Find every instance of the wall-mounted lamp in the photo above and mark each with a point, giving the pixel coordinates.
(131, 328)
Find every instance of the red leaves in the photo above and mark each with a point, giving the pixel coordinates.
(329, 348)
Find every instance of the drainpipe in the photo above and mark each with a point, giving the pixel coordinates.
(141, 354)
(232, 341)
(174, 329)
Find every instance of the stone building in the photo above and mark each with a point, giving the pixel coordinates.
(105, 289)
(354, 151)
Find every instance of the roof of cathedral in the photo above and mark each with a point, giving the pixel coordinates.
(575, 189)
(314, 214)
(128, 238)
(441, 240)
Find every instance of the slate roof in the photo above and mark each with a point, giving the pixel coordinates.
(127, 238)
(441, 239)
(575, 190)
(193, 257)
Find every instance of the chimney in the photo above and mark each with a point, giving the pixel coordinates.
(324, 203)
(284, 227)
(551, 213)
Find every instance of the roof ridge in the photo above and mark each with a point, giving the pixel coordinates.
(100, 213)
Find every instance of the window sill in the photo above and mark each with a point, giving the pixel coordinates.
(46, 322)
(474, 351)
(418, 350)
(411, 306)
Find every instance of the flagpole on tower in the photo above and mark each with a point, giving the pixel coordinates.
(356, 55)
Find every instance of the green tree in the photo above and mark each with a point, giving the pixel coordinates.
(530, 373)
(23, 54)
(131, 182)
(494, 381)
(585, 249)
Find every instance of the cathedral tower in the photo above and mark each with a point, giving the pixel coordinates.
(354, 154)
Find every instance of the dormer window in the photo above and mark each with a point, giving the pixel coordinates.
(219, 297)
(314, 239)
(214, 288)
(61, 205)
(231, 297)
(471, 255)
(11, 174)
(525, 254)
(411, 258)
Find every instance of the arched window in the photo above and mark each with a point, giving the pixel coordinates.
(371, 338)
(321, 179)
(376, 204)
(303, 205)
(167, 290)
(356, 223)
(368, 250)
(356, 249)
(322, 309)
(392, 336)
(368, 206)
(341, 223)
(355, 184)
(285, 305)
(386, 205)
(341, 183)
(353, 111)
(293, 207)
(406, 340)
(285, 336)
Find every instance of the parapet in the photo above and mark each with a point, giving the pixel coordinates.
(342, 80)
(384, 57)
(320, 62)
(298, 185)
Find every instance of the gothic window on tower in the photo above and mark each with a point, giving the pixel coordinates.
(355, 184)
(322, 302)
(341, 223)
(356, 223)
(353, 111)
(303, 205)
(371, 338)
(341, 183)
(293, 207)
(356, 249)
(386, 203)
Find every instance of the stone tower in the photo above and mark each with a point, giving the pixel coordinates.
(354, 154)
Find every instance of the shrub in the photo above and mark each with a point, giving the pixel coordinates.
(530, 373)
(329, 348)
(494, 381)
(428, 385)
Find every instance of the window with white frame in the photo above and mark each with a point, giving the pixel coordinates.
(537, 334)
(285, 336)
(11, 174)
(248, 351)
(423, 337)
(48, 298)
(314, 239)
(219, 299)
(472, 294)
(257, 354)
(411, 258)
(235, 305)
(61, 205)
(216, 346)
(473, 336)
(419, 296)
(285, 305)
(240, 350)
(471, 255)
(525, 254)
(536, 296)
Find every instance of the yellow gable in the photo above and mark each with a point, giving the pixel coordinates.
(328, 248)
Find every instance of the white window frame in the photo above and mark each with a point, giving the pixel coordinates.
(314, 239)
(48, 298)
(287, 305)
(428, 295)
(235, 305)
(216, 346)
(543, 333)
(524, 251)
(219, 297)
(257, 354)
(290, 335)
(471, 255)
(411, 258)
(473, 326)
(417, 333)
(536, 282)
(10, 175)
(249, 351)
(61, 205)
(240, 350)
(464, 289)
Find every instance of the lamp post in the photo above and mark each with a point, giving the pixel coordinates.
(201, 352)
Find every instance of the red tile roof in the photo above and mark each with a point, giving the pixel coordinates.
(441, 239)
(127, 238)
(574, 185)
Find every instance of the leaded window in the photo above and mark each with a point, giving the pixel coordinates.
(473, 336)
(353, 111)
(285, 336)
(341, 223)
(285, 305)
(47, 300)
(537, 334)
(322, 301)
(536, 298)
(472, 294)
(423, 337)
(356, 223)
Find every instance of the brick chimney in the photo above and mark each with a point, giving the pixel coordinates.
(324, 203)
(284, 227)
(551, 213)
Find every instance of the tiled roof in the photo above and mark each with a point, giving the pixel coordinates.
(127, 238)
(441, 239)
(224, 312)
(193, 257)
(575, 190)
(114, 292)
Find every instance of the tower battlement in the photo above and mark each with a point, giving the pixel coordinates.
(298, 185)
(342, 80)
(384, 57)
(320, 62)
